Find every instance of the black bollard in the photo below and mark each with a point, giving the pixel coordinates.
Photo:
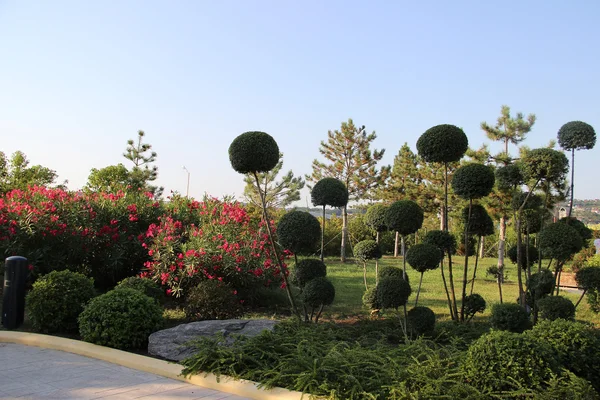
(13, 302)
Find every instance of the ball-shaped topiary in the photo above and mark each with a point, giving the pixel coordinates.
(404, 217)
(423, 257)
(500, 361)
(122, 319)
(442, 143)
(576, 135)
(480, 223)
(473, 181)
(585, 232)
(393, 292)
(369, 299)
(532, 220)
(329, 192)
(307, 270)
(57, 299)
(420, 321)
(588, 278)
(541, 284)
(299, 232)
(318, 291)
(143, 285)
(559, 241)
(509, 176)
(576, 345)
(443, 240)
(509, 317)
(367, 250)
(396, 272)
(533, 255)
(555, 307)
(474, 304)
(253, 152)
(211, 300)
(548, 164)
(533, 201)
(375, 217)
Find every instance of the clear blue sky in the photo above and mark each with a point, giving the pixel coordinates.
(79, 78)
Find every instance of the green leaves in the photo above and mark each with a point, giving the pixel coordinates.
(329, 192)
(576, 135)
(442, 143)
(253, 152)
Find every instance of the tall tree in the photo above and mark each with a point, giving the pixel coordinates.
(15, 173)
(108, 179)
(141, 156)
(507, 130)
(278, 194)
(350, 159)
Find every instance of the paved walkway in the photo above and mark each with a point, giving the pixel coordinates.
(36, 373)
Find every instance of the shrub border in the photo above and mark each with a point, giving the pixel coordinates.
(155, 366)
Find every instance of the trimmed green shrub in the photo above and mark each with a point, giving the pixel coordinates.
(480, 223)
(444, 241)
(559, 241)
(318, 291)
(442, 143)
(369, 299)
(474, 303)
(404, 217)
(299, 232)
(385, 272)
(212, 299)
(253, 152)
(555, 307)
(533, 201)
(588, 279)
(375, 217)
(544, 163)
(122, 319)
(421, 321)
(367, 250)
(393, 292)
(576, 345)
(423, 257)
(329, 192)
(533, 255)
(509, 317)
(307, 270)
(567, 386)
(509, 177)
(473, 181)
(143, 285)
(541, 284)
(57, 299)
(580, 227)
(500, 361)
(576, 135)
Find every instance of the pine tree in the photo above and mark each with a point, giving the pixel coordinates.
(141, 173)
(350, 159)
(278, 194)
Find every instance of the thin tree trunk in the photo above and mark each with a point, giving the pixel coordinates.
(419, 289)
(446, 289)
(466, 268)
(323, 236)
(403, 258)
(558, 276)
(452, 291)
(446, 197)
(501, 248)
(527, 256)
(450, 276)
(500, 290)
(479, 239)
(344, 233)
(481, 247)
(376, 271)
(580, 298)
(397, 240)
(519, 258)
(319, 314)
(365, 275)
(572, 182)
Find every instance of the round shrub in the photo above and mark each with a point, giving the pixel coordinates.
(420, 321)
(541, 284)
(532, 220)
(367, 250)
(555, 307)
(210, 300)
(533, 201)
(375, 217)
(533, 255)
(253, 152)
(393, 292)
(307, 270)
(576, 345)
(423, 257)
(442, 143)
(57, 299)
(588, 278)
(509, 177)
(369, 299)
(509, 317)
(545, 163)
(499, 361)
(299, 232)
(580, 227)
(404, 217)
(318, 291)
(576, 135)
(473, 181)
(444, 241)
(559, 241)
(329, 192)
(385, 272)
(474, 303)
(145, 286)
(480, 223)
(122, 319)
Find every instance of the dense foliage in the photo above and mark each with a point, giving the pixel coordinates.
(474, 303)
(145, 286)
(404, 217)
(329, 192)
(253, 152)
(212, 299)
(421, 321)
(307, 270)
(423, 257)
(442, 143)
(529, 253)
(367, 250)
(444, 241)
(299, 232)
(509, 317)
(473, 181)
(392, 292)
(375, 217)
(480, 222)
(576, 135)
(555, 307)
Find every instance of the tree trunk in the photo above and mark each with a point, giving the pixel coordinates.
(403, 258)
(396, 242)
(344, 233)
(452, 291)
(501, 249)
(519, 259)
(572, 183)
(580, 298)
(365, 275)
(481, 247)
(323, 236)
(419, 289)
(446, 289)
(442, 218)
(476, 262)
(466, 268)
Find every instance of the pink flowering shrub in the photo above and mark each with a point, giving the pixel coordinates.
(209, 240)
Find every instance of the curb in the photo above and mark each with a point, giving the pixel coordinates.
(151, 365)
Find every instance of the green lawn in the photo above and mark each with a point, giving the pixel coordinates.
(348, 281)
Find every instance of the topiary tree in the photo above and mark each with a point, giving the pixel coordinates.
(471, 181)
(509, 317)
(532, 255)
(584, 232)
(480, 224)
(539, 285)
(588, 280)
(393, 292)
(474, 303)
(404, 217)
(318, 293)
(299, 231)
(446, 243)
(375, 219)
(252, 153)
(420, 321)
(307, 270)
(555, 307)
(328, 192)
(423, 257)
(367, 250)
(576, 135)
(392, 271)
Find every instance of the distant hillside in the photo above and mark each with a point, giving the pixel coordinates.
(587, 211)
